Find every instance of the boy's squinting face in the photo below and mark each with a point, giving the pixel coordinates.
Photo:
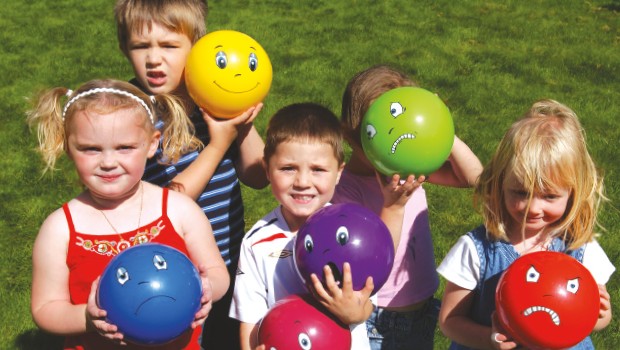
(303, 178)
(158, 58)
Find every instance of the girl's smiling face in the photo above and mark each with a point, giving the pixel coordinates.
(303, 178)
(110, 151)
(535, 215)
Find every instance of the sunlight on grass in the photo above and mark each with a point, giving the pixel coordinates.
(488, 60)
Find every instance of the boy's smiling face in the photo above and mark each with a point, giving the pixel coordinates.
(303, 176)
(158, 57)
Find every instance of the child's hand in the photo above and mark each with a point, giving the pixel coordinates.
(260, 347)
(95, 318)
(206, 300)
(397, 193)
(224, 131)
(347, 305)
(605, 308)
(499, 340)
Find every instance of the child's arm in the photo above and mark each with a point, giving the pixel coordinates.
(248, 333)
(51, 305)
(249, 165)
(222, 132)
(189, 220)
(455, 323)
(604, 317)
(462, 168)
(349, 306)
(395, 196)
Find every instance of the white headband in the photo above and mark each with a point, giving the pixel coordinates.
(110, 90)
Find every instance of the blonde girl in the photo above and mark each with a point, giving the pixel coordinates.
(540, 191)
(106, 127)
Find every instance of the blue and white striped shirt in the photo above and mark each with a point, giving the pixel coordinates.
(221, 200)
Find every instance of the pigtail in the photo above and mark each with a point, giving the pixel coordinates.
(178, 134)
(46, 115)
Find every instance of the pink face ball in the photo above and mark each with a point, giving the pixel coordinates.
(299, 322)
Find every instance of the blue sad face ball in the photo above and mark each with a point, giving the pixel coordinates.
(151, 292)
(407, 131)
(340, 233)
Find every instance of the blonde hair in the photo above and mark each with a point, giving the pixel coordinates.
(304, 122)
(362, 90)
(187, 17)
(546, 149)
(53, 123)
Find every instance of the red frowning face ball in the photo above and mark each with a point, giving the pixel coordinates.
(547, 300)
(300, 323)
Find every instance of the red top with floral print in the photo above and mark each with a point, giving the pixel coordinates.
(87, 257)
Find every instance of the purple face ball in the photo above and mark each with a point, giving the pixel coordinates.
(340, 233)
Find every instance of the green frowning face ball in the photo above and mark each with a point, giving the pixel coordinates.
(406, 131)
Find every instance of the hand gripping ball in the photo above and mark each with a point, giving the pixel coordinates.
(547, 300)
(151, 292)
(299, 322)
(345, 232)
(407, 131)
(227, 72)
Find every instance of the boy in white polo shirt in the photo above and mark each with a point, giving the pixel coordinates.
(304, 159)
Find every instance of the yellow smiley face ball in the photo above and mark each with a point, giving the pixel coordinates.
(227, 72)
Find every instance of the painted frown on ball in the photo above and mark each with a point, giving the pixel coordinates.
(407, 130)
(227, 72)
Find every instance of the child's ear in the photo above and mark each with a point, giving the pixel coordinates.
(154, 143)
(266, 168)
(340, 169)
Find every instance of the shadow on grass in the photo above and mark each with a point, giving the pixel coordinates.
(614, 6)
(36, 339)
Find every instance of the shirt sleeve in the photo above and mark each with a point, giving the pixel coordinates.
(249, 302)
(597, 262)
(461, 265)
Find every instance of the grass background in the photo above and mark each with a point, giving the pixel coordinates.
(489, 60)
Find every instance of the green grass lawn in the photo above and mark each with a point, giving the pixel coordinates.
(489, 60)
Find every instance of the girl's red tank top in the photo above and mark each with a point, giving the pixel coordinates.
(87, 257)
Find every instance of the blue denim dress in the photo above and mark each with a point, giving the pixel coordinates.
(495, 257)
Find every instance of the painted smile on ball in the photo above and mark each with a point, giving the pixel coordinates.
(235, 92)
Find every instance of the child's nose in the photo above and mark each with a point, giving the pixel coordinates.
(153, 56)
(302, 179)
(536, 205)
(108, 160)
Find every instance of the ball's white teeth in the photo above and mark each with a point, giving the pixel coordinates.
(554, 315)
(402, 137)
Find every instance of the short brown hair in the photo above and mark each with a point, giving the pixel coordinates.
(362, 90)
(304, 122)
(180, 16)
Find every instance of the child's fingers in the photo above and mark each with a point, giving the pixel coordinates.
(92, 309)
(255, 112)
(330, 282)
(368, 287)
(347, 278)
(249, 115)
(317, 289)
